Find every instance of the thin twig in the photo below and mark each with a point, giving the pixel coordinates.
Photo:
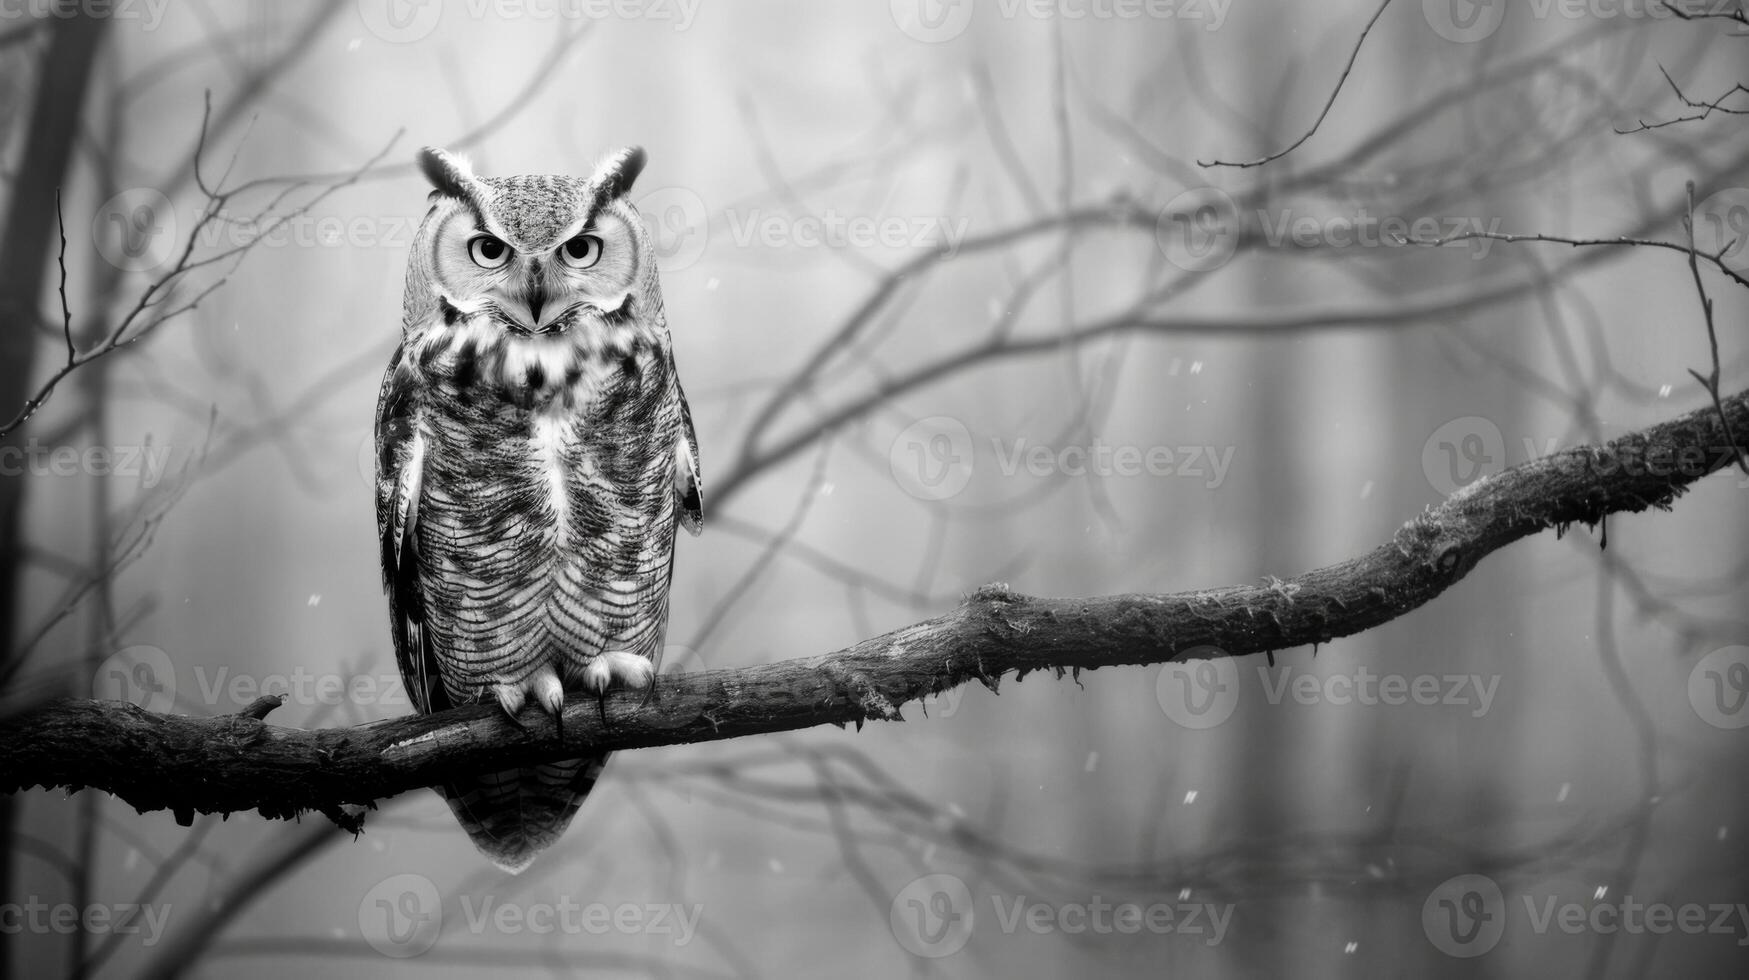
(61, 259)
(1711, 381)
(1328, 104)
(1707, 108)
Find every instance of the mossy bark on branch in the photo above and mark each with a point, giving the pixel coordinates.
(240, 763)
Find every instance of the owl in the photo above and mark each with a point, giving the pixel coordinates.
(534, 455)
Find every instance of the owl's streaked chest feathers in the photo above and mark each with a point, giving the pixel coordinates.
(547, 437)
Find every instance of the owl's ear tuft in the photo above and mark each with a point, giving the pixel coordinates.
(449, 174)
(615, 175)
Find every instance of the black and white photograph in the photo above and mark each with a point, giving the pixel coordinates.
(742, 489)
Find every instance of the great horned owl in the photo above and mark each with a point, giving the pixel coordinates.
(534, 453)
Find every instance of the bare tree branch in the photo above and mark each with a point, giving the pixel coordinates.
(237, 762)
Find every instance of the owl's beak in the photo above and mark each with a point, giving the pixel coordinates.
(533, 298)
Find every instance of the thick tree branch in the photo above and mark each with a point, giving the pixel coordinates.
(238, 762)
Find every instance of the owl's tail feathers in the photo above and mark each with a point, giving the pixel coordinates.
(515, 814)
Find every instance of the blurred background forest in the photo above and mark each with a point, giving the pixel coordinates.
(904, 245)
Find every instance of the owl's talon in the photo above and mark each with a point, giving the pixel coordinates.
(616, 669)
(516, 720)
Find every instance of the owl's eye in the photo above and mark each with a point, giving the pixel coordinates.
(488, 252)
(581, 252)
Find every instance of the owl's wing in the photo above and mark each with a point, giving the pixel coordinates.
(400, 472)
(688, 480)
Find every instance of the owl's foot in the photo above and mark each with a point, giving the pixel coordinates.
(616, 669)
(548, 692)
